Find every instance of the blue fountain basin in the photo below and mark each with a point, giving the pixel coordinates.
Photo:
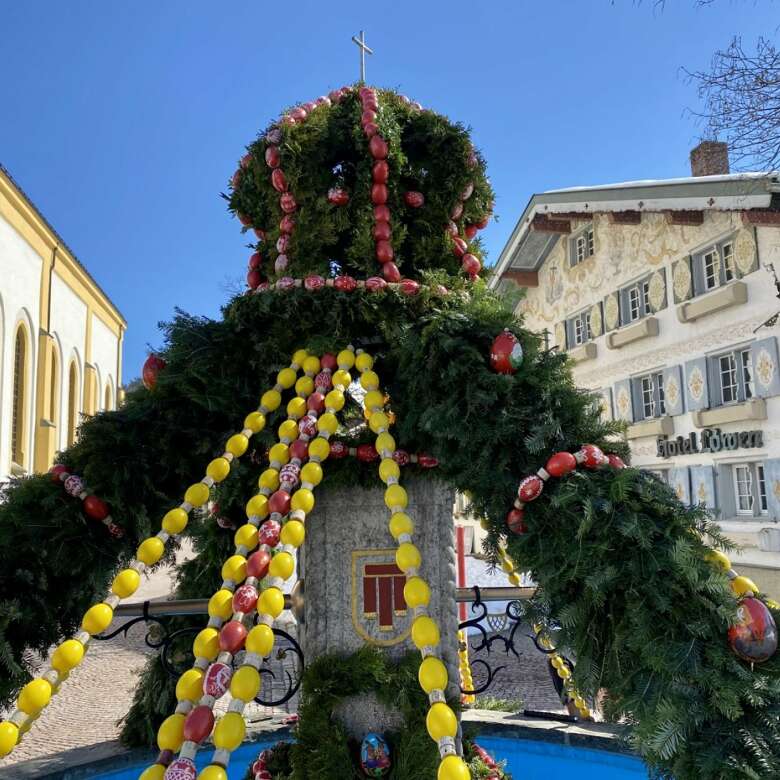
(526, 760)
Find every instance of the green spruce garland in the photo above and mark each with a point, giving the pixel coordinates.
(619, 561)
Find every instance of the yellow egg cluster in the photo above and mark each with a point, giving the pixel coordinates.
(466, 680)
(245, 682)
(743, 587)
(441, 721)
(37, 693)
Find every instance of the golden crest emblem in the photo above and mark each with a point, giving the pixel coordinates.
(672, 391)
(611, 311)
(623, 403)
(595, 321)
(657, 291)
(765, 368)
(379, 613)
(696, 384)
(745, 251)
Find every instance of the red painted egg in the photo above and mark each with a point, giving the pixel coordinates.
(382, 231)
(471, 265)
(95, 508)
(367, 453)
(367, 116)
(375, 284)
(217, 679)
(381, 214)
(307, 426)
(616, 461)
(338, 197)
(279, 502)
(272, 157)
(410, 287)
(56, 470)
(390, 272)
(298, 114)
(427, 461)
(254, 278)
(593, 456)
(289, 474)
(287, 224)
(530, 488)
(381, 172)
(285, 283)
(515, 521)
(152, 367)
(283, 243)
(246, 160)
(323, 381)
(255, 261)
(259, 233)
(198, 724)
(371, 129)
(287, 202)
(468, 191)
(316, 401)
(328, 360)
(414, 199)
(299, 449)
(345, 283)
(754, 636)
(257, 564)
(245, 599)
(378, 194)
(561, 464)
(384, 251)
(483, 223)
(314, 282)
(378, 147)
(338, 450)
(471, 231)
(459, 247)
(281, 263)
(232, 636)
(244, 219)
(181, 769)
(402, 457)
(506, 353)
(236, 179)
(457, 211)
(279, 180)
(269, 533)
(274, 135)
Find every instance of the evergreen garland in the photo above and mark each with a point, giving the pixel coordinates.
(618, 559)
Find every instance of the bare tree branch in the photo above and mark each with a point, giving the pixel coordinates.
(741, 99)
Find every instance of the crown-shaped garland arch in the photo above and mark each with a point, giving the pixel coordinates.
(365, 208)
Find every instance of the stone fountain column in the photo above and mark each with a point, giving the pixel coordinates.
(354, 591)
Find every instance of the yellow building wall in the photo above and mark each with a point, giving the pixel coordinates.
(21, 214)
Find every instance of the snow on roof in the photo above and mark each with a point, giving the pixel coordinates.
(744, 176)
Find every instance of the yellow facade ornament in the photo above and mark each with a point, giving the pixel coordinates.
(696, 384)
(765, 368)
(595, 321)
(671, 391)
(611, 311)
(657, 291)
(681, 280)
(745, 251)
(623, 404)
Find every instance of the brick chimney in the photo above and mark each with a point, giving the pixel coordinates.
(710, 158)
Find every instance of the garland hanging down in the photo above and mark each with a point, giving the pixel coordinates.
(624, 570)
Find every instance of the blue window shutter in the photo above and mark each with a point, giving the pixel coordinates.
(697, 271)
(703, 486)
(680, 482)
(727, 500)
(765, 369)
(772, 479)
(696, 385)
(623, 403)
(636, 398)
(625, 316)
(713, 378)
(673, 390)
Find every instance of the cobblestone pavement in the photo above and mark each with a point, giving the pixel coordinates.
(92, 702)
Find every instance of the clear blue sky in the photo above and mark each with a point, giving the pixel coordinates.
(124, 121)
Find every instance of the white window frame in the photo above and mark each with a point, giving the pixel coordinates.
(728, 378)
(727, 261)
(579, 335)
(746, 367)
(749, 483)
(583, 246)
(651, 391)
(711, 263)
(634, 304)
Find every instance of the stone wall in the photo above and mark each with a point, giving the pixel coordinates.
(346, 540)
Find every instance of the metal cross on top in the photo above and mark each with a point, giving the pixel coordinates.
(361, 42)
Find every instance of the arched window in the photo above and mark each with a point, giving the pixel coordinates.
(20, 397)
(107, 398)
(54, 388)
(73, 403)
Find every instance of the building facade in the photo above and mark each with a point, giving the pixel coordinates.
(663, 294)
(60, 339)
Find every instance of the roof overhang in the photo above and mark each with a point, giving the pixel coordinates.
(546, 215)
